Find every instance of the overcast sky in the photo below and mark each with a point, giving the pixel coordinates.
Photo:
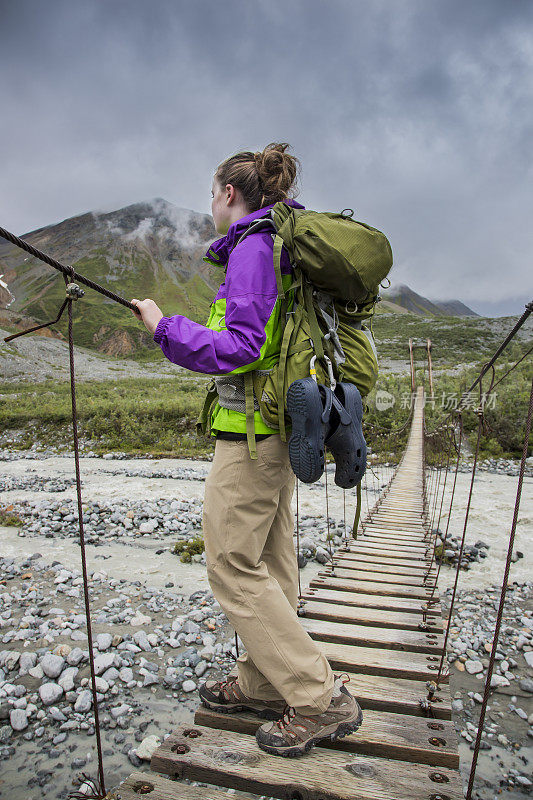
(416, 113)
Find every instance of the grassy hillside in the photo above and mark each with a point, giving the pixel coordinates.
(158, 416)
(455, 340)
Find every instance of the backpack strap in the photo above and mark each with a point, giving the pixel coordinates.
(250, 411)
(357, 512)
(281, 377)
(278, 245)
(316, 333)
(203, 423)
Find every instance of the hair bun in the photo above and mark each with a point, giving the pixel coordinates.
(277, 170)
(263, 177)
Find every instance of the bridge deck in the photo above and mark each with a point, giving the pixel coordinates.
(365, 611)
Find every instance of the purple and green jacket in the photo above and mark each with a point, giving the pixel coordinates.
(243, 331)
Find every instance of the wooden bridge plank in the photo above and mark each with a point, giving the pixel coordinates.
(353, 557)
(380, 527)
(368, 587)
(382, 577)
(406, 512)
(410, 546)
(376, 568)
(400, 529)
(163, 789)
(382, 734)
(235, 760)
(363, 636)
(366, 616)
(394, 544)
(380, 661)
(385, 602)
(368, 548)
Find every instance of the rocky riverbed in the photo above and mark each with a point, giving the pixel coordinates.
(159, 632)
(505, 766)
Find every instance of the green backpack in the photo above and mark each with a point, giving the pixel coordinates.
(338, 264)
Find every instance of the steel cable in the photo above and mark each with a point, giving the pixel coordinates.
(502, 598)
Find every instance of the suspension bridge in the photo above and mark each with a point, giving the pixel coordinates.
(375, 612)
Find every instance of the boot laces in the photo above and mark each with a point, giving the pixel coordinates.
(288, 714)
(226, 685)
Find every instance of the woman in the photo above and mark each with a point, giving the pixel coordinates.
(247, 518)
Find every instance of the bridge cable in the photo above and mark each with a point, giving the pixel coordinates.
(502, 597)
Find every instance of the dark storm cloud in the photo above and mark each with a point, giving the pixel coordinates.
(417, 114)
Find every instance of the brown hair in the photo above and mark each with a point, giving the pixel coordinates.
(263, 178)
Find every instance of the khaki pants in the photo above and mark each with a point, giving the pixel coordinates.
(253, 573)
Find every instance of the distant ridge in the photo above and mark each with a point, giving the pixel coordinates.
(402, 297)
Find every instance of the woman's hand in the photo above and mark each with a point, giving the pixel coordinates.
(148, 312)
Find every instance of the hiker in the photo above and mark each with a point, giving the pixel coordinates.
(247, 520)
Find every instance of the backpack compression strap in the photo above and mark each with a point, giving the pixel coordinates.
(250, 418)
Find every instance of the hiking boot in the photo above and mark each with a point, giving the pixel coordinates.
(226, 696)
(294, 734)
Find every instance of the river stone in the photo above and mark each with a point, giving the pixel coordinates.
(529, 658)
(27, 661)
(126, 674)
(119, 711)
(101, 685)
(52, 665)
(36, 672)
(5, 733)
(103, 662)
(50, 693)
(18, 719)
(147, 747)
(473, 667)
(110, 675)
(11, 660)
(75, 656)
(140, 619)
(66, 681)
(103, 641)
(141, 640)
(188, 686)
(497, 681)
(526, 684)
(56, 714)
(84, 702)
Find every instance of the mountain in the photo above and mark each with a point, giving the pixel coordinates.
(401, 299)
(152, 249)
(455, 308)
